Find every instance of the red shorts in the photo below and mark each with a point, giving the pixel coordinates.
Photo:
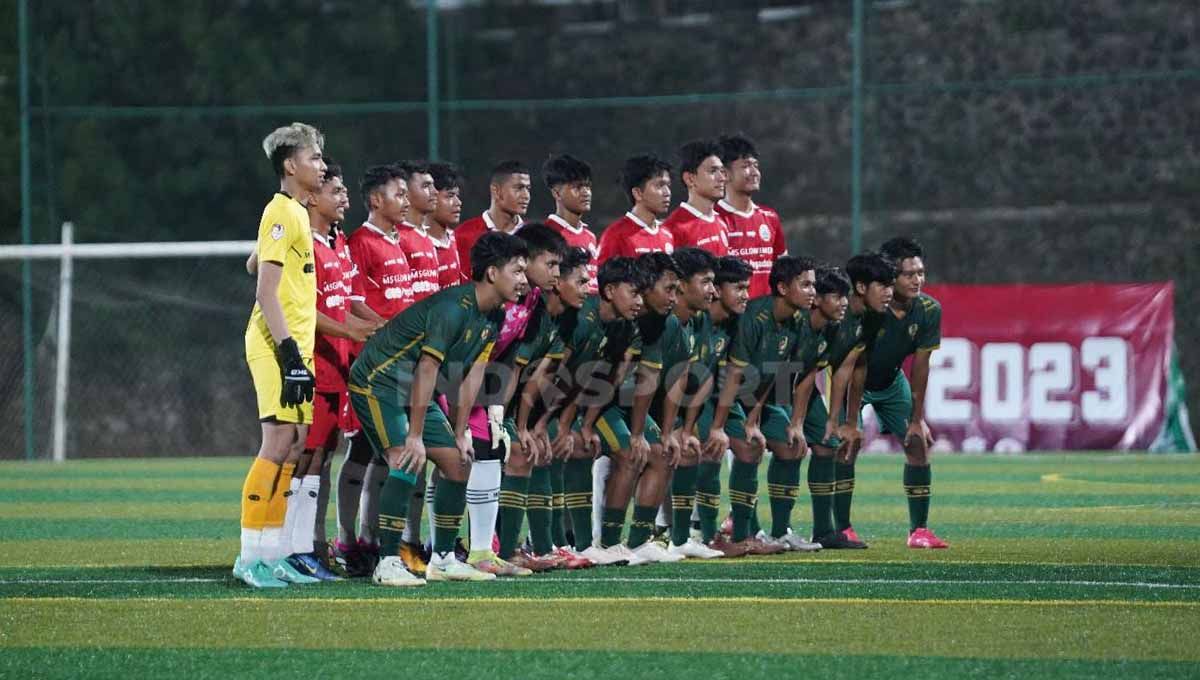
(327, 416)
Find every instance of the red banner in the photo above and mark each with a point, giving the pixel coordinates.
(1045, 368)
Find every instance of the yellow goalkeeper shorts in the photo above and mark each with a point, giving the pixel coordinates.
(268, 386)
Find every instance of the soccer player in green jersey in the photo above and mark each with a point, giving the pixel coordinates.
(427, 348)
(602, 341)
(527, 487)
(697, 291)
(732, 279)
(911, 325)
(643, 465)
(872, 277)
(766, 339)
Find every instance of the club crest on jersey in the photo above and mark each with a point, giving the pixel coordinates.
(821, 347)
(912, 330)
(783, 343)
(483, 334)
(858, 332)
(691, 343)
(277, 232)
(764, 232)
(720, 345)
(467, 336)
(603, 342)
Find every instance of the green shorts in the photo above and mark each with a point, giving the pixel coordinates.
(892, 404)
(735, 424)
(815, 421)
(613, 428)
(385, 421)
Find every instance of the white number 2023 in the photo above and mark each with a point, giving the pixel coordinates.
(1007, 377)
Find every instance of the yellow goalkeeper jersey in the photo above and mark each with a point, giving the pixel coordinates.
(285, 238)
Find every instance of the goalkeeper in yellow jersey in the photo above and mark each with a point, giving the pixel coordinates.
(279, 352)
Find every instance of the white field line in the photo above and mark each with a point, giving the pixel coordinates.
(770, 581)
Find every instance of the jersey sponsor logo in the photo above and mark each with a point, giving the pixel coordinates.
(309, 268)
(277, 231)
(335, 301)
(393, 293)
(424, 287)
(764, 232)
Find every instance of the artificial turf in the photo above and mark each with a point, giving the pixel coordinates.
(1078, 565)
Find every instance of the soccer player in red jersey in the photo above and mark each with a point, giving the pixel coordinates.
(570, 182)
(411, 233)
(647, 183)
(336, 325)
(385, 281)
(441, 224)
(510, 187)
(755, 232)
(694, 223)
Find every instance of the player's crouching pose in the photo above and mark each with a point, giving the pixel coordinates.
(911, 325)
(392, 387)
(279, 346)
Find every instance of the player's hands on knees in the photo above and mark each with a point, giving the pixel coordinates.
(851, 443)
(466, 448)
(672, 446)
(640, 449)
(298, 382)
(716, 445)
(691, 445)
(796, 442)
(411, 457)
(543, 439)
(590, 441)
(563, 444)
(756, 439)
(917, 439)
(530, 448)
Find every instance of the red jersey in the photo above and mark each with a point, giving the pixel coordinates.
(693, 229)
(331, 354)
(449, 273)
(467, 234)
(757, 238)
(422, 259)
(578, 237)
(630, 237)
(386, 280)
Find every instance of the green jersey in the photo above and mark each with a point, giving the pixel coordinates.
(668, 345)
(897, 338)
(763, 342)
(813, 347)
(446, 325)
(590, 338)
(541, 339)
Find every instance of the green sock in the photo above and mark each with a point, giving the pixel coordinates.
(393, 510)
(754, 526)
(783, 486)
(820, 488)
(683, 498)
(449, 502)
(612, 522)
(577, 494)
(743, 493)
(514, 494)
(539, 510)
(708, 498)
(916, 487)
(558, 507)
(843, 494)
(643, 524)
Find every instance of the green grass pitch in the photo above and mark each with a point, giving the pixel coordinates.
(1078, 565)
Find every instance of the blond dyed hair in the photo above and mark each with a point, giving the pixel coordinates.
(283, 142)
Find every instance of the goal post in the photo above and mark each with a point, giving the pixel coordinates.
(69, 254)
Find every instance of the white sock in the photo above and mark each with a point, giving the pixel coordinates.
(368, 508)
(349, 497)
(251, 551)
(600, 470)
(663, 519)
(271, 544)
(289, 520)
(306, 513)
(483, 503)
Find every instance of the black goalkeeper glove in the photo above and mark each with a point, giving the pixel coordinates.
(297, 379)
